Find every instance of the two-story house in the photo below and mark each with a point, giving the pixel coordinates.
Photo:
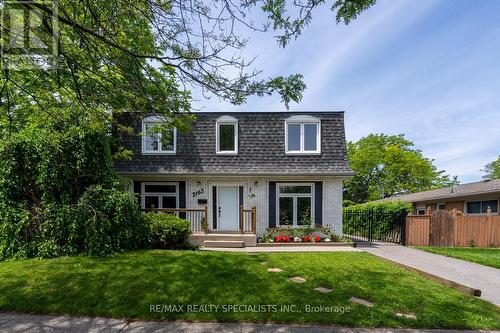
(237, 174)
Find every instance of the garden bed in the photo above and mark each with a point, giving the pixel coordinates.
(308, 234)
(348, 244)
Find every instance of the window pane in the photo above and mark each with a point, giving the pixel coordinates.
(151, 202)
(295, 189)
(493, 204)
(167, 140)
(304, 211)
(286, 211)
(226, 137)
(169, 202)
(474, 207)
(160, 188)
(151, 139)
(441, 207)
(294, 137)
(310, 136)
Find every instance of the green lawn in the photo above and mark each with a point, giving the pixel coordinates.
(483, 256)
(126, 285)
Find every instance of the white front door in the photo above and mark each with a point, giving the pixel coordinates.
(228, 206)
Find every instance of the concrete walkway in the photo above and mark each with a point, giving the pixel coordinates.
(312, 248)
(34, 324)
(484, 278)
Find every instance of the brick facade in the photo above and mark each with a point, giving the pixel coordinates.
(256, 193)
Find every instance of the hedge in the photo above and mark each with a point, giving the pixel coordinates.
(385, 218)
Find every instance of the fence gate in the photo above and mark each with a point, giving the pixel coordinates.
(441, 230)
(375, 225)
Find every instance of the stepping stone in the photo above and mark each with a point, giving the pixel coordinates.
(297, 279)
(263, 263)
(361, 301)
(323, 290)
(406, 315)
(274, 270)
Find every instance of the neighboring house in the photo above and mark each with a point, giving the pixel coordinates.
(288, 165)
(470, 199)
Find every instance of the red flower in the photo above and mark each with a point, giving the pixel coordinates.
(277, 239)
(307, 238)
(286, 239)
(317, 238)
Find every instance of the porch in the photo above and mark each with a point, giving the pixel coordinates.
(202, 235)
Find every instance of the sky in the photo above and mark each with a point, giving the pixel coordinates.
(429, 69)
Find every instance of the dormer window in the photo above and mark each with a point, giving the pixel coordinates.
(158, 140)
(226, 134)
(302, 135)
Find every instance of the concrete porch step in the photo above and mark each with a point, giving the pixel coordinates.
(223, 243)
(246, 239)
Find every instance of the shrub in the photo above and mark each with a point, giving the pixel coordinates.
(110, 221)
(104, 221)
(167, 230)
(14, 231)
(59, 192)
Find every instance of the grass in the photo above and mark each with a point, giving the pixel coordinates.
(483, 256)
(126, 285)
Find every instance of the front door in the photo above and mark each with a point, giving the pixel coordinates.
(228, 207)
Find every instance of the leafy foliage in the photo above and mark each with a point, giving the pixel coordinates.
(149, 53)
(393, 207)
(167, 230)
(110, 221)
(492, 169)
(59, 193)
(385, 217)
(388, 165)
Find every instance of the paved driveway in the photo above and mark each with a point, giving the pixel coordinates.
(484, 278)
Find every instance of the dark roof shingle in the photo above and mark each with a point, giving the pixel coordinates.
(261, 147)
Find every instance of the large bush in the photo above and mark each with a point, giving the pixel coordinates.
(59, 193)
(103, 221)
(167, 230)
(110, 221)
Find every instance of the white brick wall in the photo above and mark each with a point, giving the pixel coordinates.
(332, 195)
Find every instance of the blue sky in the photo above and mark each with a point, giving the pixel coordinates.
(428, 69)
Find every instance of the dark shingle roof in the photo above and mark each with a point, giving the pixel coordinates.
(481, 187)
(261, 147)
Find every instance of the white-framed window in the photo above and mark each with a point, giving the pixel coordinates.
(159, 195)
(302, 135)
(420, 210)
(226, 135)
(481, 206)
(441, 206)
(157, 140)
(295, 204)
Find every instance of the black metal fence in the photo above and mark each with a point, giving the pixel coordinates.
(375, 225)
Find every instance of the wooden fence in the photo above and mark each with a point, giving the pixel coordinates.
(442, 228)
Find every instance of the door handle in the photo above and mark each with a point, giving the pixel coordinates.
(219, 211)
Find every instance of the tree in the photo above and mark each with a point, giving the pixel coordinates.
(492, 169)
(388, 165)
(146, 55)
